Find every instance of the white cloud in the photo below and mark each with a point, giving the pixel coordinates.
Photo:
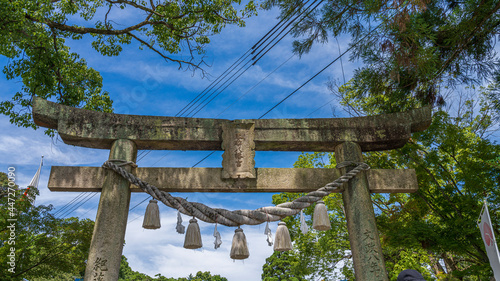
(161, 251)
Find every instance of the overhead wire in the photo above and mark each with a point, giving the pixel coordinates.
(255, 61)
(255, 47)
(319, 72)
(191, 107)
(296, 90)
(211, 153)
(320, 107)
(213, 84)
(223, 89)
(308, 12)
(189, 114)
(193, 111)
(148, 196)
(82, 201)
(67, 204)
(254, 86)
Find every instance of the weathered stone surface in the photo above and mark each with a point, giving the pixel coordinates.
(238, 159)
(98, 130)
(86, 179)
(366, 250)
(108, 237)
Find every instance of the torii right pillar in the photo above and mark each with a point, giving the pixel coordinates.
(366, 250)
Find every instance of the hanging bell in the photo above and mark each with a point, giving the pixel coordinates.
(152, 216)
(321, 221)
(239, 248)
(193, 235)
(282, 241)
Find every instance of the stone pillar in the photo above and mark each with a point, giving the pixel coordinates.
(363, 234)
(111, 221)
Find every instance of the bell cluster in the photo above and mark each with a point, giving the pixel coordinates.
(239, 247)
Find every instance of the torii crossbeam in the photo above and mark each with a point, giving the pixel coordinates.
(125, 134)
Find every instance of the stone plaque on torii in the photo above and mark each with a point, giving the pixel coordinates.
(125, 134)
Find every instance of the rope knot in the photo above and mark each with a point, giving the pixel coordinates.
(119, 163)
(344, 164)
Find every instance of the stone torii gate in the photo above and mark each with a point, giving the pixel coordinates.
(125, 134)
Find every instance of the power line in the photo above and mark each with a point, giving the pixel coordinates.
(145, 154)
(237, 63)
(254, 48)
(139, 204)
(69, 211)
(306, 10)
(275, 28)
(67, 204)
(253, 87)
(214, 83)
(319, 72)
(222, 89)
(320, 107)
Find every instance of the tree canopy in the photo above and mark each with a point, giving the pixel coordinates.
(35, 35)
(44, 247)
(416, 53)
(433, 230)
(411, 50)
(126, 273)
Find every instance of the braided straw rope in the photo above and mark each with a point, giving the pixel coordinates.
(238, 217)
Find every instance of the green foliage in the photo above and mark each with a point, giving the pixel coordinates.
(398, 260)
(34, 37)
(410, 49)
(126, 273)
(453, 180)
(203, 276)
(200, 276)
(316, 253)
(434, 230)
(281, 266)
(43, 246)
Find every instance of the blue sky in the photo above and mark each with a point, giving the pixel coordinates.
(141, 83)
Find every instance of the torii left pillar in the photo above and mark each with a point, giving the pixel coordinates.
(111, 220)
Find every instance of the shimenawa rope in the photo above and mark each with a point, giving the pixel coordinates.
(238, 217)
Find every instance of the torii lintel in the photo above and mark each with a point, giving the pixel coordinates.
(93, 129)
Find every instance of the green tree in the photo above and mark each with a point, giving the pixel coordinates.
(281, 266)
(43, 246)
(200, 276)
(318, 253)
(453, 180)
(34, 36)
(126, 273)
(410, 49)
(433, 230)
(204, 276)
